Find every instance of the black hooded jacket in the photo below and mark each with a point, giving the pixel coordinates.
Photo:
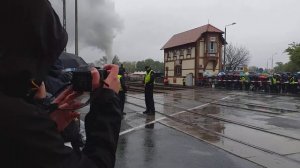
(31, 39)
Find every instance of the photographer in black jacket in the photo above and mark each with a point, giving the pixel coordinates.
(31, 39)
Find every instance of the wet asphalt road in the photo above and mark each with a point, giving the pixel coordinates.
(207, 128)
(159, 146)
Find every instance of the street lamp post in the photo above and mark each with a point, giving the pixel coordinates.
(273, 60)
(225, 45)
(76, 28)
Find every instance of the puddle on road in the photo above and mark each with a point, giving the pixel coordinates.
(233, 114)
(255, 137)
(194, 131)
(255, 155)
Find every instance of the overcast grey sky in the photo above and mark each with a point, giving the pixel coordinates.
(141, 27)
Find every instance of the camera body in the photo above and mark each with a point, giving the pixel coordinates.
(82, 79)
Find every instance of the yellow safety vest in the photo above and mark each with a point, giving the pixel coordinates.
(148, 77)
(243, 79)
(292, 80)
(119, 77)
(272, 81)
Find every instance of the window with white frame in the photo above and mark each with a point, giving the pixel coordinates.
(212, 47)
(178, 70)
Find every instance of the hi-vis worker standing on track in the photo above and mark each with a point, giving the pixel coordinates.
(149, 85)
(122, 91)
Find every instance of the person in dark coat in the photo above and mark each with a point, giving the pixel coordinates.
(149, 85)
(122, 70)
(31, 40)
(55, 81)
(56, 78)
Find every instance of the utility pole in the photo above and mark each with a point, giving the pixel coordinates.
(64, 19)
(224, 52)
(273, 59)
(272, 62)
(76, 28)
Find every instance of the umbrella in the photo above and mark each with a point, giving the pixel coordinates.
(207, 74)
(221, 73)
(69, 60)
(263, 76)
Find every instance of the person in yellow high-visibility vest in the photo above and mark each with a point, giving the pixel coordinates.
(149, 85)
(122, 91)
(273, 82)
(293, 84)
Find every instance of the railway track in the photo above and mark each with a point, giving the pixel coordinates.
(260, 108)
(182, 121)
(163, 89)
(280, 110)
(217, 118)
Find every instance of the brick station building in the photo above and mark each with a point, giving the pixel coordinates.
(192, 54)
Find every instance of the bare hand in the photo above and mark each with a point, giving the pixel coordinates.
(41, 92)
(112, 80)
(66, 106)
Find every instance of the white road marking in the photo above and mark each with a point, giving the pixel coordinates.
(161, 118)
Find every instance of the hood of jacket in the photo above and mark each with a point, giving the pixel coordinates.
(31, 40)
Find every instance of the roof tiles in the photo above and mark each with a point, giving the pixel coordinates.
(190, 36)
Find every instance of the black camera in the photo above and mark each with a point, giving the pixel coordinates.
(82, 79)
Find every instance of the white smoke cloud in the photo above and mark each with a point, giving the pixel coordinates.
(98, 23)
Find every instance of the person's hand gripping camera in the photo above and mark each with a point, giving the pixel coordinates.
(66, 101)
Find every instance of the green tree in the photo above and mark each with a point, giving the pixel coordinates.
(140, 66)
(294, 64)
(155, 65)
(129, 66)
(291, 67)
(280, 67)
(294, 52)
(116, 60)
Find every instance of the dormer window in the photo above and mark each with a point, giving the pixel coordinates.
(212, 47)
(181, 52)
(174, 53)
(189, 51)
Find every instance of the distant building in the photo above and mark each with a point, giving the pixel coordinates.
(193, 53)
